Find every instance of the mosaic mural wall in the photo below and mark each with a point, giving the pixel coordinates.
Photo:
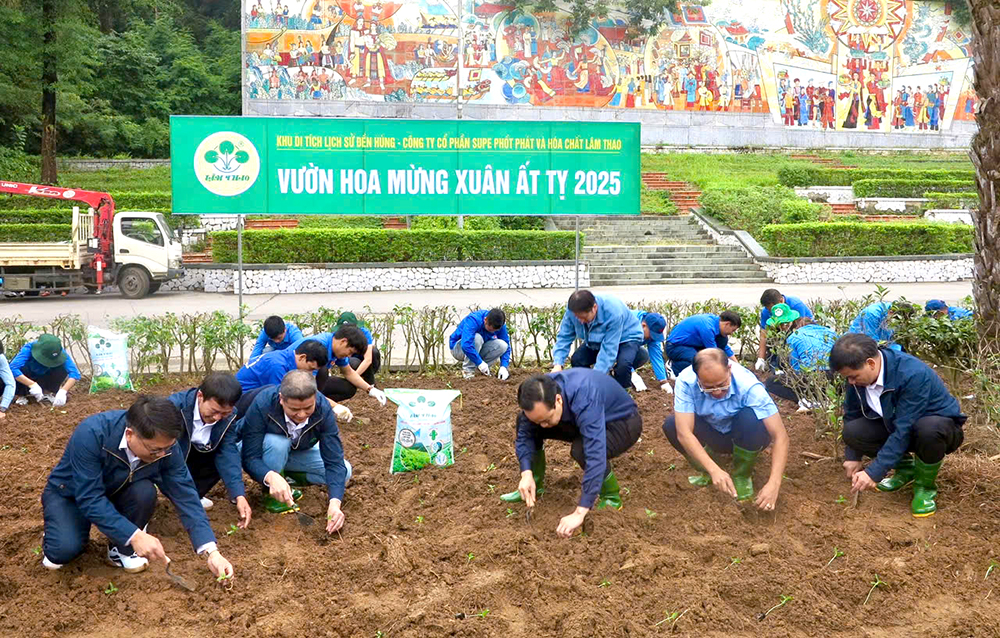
(865, 65)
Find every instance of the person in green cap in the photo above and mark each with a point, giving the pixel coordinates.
(368, 364)
(591, 411)
(721, 407)
(44, 370)
(809, 346)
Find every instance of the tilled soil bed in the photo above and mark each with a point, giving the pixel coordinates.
(436, 553)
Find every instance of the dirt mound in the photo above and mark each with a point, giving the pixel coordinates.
(437, 554)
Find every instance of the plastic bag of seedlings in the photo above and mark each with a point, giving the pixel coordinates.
(109, 356)
(423, 429)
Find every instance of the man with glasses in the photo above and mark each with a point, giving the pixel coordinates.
(721, 407)
(108, 476)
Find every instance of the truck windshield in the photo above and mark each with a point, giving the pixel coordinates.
(170, 232)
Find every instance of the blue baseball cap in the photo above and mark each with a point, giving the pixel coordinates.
(656, 324)
(934, 305)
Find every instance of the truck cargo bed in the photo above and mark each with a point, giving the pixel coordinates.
(68, 254)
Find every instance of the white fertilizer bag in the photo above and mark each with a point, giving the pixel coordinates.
(109, 355)
(423, 429)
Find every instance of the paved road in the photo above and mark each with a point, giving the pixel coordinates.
(97, 310)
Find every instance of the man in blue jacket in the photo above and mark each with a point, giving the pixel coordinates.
(271, 368)
(653, 326)
(368, 364)
(277, 334)
(347, 342)
(611, 335)
(898, 412)
(874, 319)
(768, 300)
(939, 308)
(698, 332)
(590, 411)
(209, 439)
(44, 370)
(108, 477)
(480, 339)
(290, 431)
(809, 346)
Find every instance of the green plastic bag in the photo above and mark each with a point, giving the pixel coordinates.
(109, 356)
(423, 429)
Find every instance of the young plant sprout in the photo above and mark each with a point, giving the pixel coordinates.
(841, 500)
(418, 520)
(878, 582)
(671, 617)
(993, 565)
(735, 560)
(784, 599)
(490, 467)
(510, 513)
(491, 488)
(650, 514)
(836, 554)
(110, 589)
(484, 613)
(232, 530)
(469, 558)
(605, 583)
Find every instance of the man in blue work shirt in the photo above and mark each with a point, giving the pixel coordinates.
(898, 412)
(271, 368)
(873, 321)
(348, 341)
(611, 335)
(721, 407)
(768, 300)
(653, 325)
(587, 409)
(291, 432)
(368, 364)
(480, 339)
(698, 332)
(108, 476)
(44, 370)
(809, 346)
(939, 308)
(277, 334)
(209, 438)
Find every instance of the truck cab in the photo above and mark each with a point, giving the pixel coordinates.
(147, 252)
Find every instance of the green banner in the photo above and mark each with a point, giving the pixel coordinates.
(322, 166)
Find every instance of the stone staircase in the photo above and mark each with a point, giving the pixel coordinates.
(683, 195)
(844, 209)
(657, 250)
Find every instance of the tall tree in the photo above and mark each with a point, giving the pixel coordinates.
(50, 77)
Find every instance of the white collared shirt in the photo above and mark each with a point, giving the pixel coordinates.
(201, 432)
(294, 428)
(133, 460)
(874, 391)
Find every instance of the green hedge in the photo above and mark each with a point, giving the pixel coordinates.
(907, 188)
(340, 221)
(380, 245)
(126, 200)
(35, 232)
(805, 175)
(36, 216)
(798, 211)
(952, 201)
(748, 208)
(839, 239)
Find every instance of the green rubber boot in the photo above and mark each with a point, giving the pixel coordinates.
(743, 464)
(701, 479)
(275, 506)
(538, 471)
(610, 493)
(924, 488)
(296, 478)
(902, 477)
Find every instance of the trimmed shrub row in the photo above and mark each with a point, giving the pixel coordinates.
(127, 200)
(748, 208)
(907, 188)
(380, 245)
(860, 239)
(795, 175)
(952, 200)
(35, 232)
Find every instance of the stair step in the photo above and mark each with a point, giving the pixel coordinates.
(618, 281)
(678, 262)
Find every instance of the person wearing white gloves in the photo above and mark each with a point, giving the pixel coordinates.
(290, 434)
(345, 349)
(43, 370)
(768, 300)
(653, 336)
(480, 339)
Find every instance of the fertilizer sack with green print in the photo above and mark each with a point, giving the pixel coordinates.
(423, 429)
(109, 356)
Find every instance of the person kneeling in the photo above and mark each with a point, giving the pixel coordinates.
(280, 434)
(592, 412)
(724, 407)
(108, 476)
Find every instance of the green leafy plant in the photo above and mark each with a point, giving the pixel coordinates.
(671, 617)
(993, 565)
(784, 600)
(491, 488)
(37, 551)
(796, 174)
(418, 520)
(232, 530)
(650, 514)
(878, 582)
(735, 560)
(605, 583)
(910, 188)
(110, 589)
(484, 613)
(469, 558)
(510, 513)
(836, 554)
(490, 467)
(838, 239)
(841, 500)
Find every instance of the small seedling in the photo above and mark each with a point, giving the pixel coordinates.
(365, 446)
(671, 617)
(626, 490)
(878, 582)
(651, 453)
(232, 530)
(484, 613)
(993, 565)
(462, 451)
(784, 600)
(491, 488)
(418, 520)
(650, 514)
(605, 583)
(221, 578)
(469, 558)
(110, 589)
(671, 467)
(490, 467)
(735, 560)
(510, 513)
(836, 554)
(416, 480)
(38, 552)
(24, 450)
(841, 500)
(379, 634)
(4, 448)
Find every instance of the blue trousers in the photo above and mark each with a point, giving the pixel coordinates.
(67, 531)
(280, 457)
(631, 355)
(681, 356)
(745, 430)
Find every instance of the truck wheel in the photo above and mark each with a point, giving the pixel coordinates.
(133, 282)
(154, 287)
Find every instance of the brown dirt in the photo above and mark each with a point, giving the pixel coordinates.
(388, 575)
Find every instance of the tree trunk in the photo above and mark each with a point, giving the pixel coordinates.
(49, 79)
(985, 154)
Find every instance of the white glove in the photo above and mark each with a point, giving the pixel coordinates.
(376, 394)
(343, 413)
(502, 373)
(666, 388)
(760, 366)
(35, 390)
(637, 382)
(484, 368)
(60, 399)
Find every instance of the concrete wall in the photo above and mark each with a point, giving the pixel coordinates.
(69, 164)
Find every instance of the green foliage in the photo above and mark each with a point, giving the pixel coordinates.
(796, 174)
(35, 232)
(16, 166)
(657, 202)
(746, 208)
(952, 201)
(379, 245)
(909, 188)
(337, 221)
(35, 216)
(128, 200)
(840, 239)
(797, 211)
(937, 340)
